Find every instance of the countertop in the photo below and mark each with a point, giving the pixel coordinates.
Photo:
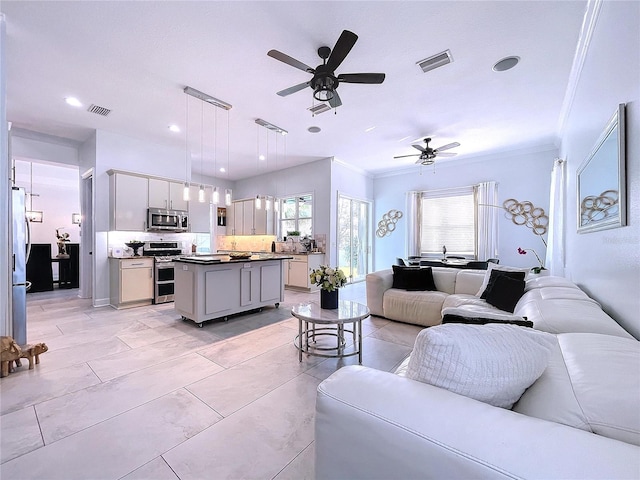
(223, 258)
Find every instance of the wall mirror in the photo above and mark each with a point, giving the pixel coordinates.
(601, 180)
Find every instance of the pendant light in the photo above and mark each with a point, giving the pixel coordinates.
(215, 196)
(201, 191)
(185, 190)
(227, 191)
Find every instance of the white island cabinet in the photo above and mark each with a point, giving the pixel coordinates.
(216, 287)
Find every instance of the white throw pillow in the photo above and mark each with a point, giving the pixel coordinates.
(503, 268)
(491, 363)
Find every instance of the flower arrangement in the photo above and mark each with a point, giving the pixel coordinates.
(523, 251)
(328, 278)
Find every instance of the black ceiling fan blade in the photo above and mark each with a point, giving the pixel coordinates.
(405, 156)
(446, 154)
(361, 77)
(342, 48)
(419, 147)
(335, 101)
(283, 57)
(294, 89)
(448, 146)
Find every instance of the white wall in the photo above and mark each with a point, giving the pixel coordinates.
(520, 175)
(606, 264)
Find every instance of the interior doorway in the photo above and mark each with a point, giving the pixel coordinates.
(354, 240)
(86, 233)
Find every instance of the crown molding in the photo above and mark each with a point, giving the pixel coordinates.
(589, 21)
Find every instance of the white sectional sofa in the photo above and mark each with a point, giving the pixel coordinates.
(580, 419)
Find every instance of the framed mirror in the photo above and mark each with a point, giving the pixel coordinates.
(601, 180)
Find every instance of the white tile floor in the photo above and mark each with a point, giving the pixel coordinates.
(142, 394)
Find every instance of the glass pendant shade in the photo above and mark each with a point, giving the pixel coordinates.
(185, 192)
(227, 197)
(215, 197)
(258, 202)
(267, 203)
(201, 194)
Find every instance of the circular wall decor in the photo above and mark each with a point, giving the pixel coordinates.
(388, 223)
(525, 213)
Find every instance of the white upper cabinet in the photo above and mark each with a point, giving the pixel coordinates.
(246, 219)
(167, 194)
(128, 202)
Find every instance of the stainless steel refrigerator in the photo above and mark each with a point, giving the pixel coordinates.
(21, 250)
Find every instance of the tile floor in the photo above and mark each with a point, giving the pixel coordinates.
(142, 394)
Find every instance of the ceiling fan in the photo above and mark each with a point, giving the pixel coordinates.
(325, 82)
(427, 155)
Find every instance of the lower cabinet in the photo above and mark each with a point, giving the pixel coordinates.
(204, 292)
(131, 282)
(298, 271)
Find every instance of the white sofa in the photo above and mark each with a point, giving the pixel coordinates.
(580, 419)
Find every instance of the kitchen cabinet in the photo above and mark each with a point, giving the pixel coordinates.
(246, 219)
(128, 202)
(299, 268)
(167, 194)
(200, 213)
(131, 281)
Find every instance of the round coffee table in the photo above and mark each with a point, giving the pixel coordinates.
(333, 325)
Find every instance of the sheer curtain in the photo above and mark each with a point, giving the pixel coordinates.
(555, 244)
(414, 207)
(487, 200)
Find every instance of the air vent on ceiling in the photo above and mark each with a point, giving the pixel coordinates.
(435, 61)
(99, 110)
(319, 108)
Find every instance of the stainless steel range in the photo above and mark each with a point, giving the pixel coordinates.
(164, 253)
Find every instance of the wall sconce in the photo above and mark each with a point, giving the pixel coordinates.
(34, 216)
(76, 218)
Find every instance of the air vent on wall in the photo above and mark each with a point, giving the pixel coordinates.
(319, 108)
(99, 110)
(435, 61)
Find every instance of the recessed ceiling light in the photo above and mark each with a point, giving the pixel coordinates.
(261, 157)
(369, 129)
(506, 64)
(174, 128)
(222, 169)
(73, 101)
(314, 129)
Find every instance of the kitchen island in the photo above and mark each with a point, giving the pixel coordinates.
(216, 286)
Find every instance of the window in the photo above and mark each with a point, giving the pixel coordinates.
(448, 219)
(297, 214)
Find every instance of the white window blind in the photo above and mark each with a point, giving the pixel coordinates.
(448, 219)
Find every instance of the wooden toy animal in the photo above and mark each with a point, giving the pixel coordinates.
(30, 352)
(10, 351)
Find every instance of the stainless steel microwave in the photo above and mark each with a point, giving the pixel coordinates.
(161, 220)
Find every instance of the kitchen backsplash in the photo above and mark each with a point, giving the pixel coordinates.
(185, 240)
(251, 243)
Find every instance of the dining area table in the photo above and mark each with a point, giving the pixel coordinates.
(444, 262)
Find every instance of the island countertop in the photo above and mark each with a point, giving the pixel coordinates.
(224, 258)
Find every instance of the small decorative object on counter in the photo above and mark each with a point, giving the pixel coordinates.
(536, 270)
(329, 280)
(135, 245)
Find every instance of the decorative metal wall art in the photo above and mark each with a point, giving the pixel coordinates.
(388, 223)
(525, 213)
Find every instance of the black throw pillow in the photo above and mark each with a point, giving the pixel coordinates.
(505, 293)
(413, 278)
(400, 276)
(420, 280)
(500, 273)
(451, 318)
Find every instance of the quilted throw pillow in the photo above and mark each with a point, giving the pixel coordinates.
(491, 363)
(413, 278)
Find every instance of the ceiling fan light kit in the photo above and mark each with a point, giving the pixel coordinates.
(428, 154)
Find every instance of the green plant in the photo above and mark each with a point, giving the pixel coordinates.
(293, 233)
(328, 278)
